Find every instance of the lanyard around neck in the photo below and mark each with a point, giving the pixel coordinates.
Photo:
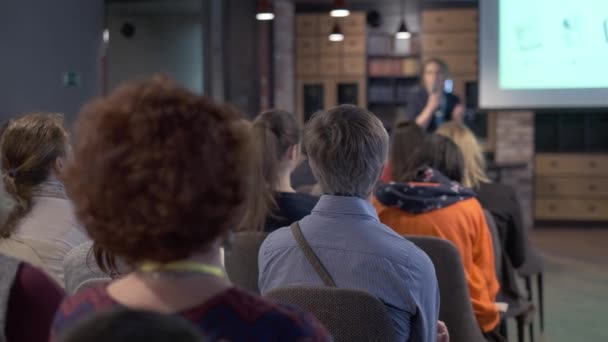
(183, 266)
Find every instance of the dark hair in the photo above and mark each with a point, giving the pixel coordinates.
(104, 260)
(274, 131)
(29, 146)
(159, 173)
(347, 147)
(442, 65)
(439, 153)
(126, 325)
(407, 137)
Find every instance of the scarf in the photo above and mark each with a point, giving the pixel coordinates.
(430, 191)
(49, 189)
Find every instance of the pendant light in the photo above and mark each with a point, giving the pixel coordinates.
(336, 34)
(264, 11)
(339, 9)
(402, 31)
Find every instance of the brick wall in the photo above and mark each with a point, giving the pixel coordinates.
(515, 144)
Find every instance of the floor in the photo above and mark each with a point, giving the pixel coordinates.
(576, 284)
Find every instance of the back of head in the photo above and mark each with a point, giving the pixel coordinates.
(347, 147)
(276, 131)
(133, 326)
(159, 173)
(406, 138)
(474, 162)
(439, 153)
(29, 146)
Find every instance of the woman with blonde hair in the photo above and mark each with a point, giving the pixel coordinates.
(499, 199)
(41, 227)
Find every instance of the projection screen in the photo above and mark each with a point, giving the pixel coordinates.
(543, 54)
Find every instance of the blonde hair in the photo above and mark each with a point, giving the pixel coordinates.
(29, 146)
(474, 161)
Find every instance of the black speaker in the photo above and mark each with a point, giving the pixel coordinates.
(127, 30)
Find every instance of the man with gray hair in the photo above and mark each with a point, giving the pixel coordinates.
(347, 148)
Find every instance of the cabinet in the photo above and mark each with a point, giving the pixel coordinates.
(571, 187)
(329, 73)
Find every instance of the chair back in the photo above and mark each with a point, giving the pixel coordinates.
(349, 315)
(456, 309)
(241, 260)
(496, 245)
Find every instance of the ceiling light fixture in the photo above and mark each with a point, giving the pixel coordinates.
(402, 31)
(339, 10)
(336, 34)
(264, 11)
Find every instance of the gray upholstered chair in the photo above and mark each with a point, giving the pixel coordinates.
(519, 309)
(349, 315)
(241, 260)
(456, 309)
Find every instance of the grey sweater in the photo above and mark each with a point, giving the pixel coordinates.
(81, 270)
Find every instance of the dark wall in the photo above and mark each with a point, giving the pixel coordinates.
(39, 41)
(240, 56)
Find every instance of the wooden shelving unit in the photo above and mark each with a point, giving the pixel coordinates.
(329, 73)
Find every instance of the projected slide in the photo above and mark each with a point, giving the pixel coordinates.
(553, 44)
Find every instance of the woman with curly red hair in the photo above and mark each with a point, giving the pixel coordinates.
(159, 179)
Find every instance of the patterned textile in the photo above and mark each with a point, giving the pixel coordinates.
(430, 191)
(233, 315)
(53, 189)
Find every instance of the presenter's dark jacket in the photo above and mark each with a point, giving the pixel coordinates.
(416, 101)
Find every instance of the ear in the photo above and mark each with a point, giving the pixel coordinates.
(293, 152)
(59, 165)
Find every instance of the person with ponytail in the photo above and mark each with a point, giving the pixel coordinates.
(278, 136)
(28, 297)
(41, 227)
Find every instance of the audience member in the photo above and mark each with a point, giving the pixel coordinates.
(406, 138)
(347, 147)
(430, 105)
(28, 297)
(41, 227)
(499, 199)
(159, 179)
(428, 200)
(133, 326)
(278, 135)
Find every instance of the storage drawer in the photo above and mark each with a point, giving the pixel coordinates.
(307, 24)
(330, 66)
(571, 164)
(326, 24)
(329, 48)
(307, 46)
(449, 20)
(354, 23)
(459, 63)
(571, 209)
(354, 66)
(411, 67)
(354, 45)
(308, 66)
(449, 42)
(559, 187)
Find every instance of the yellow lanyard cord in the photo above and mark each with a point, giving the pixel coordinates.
(183, 266)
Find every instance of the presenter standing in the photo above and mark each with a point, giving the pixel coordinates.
(429, 105)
